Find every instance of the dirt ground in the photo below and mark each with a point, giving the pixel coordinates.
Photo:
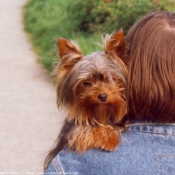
(29, 118)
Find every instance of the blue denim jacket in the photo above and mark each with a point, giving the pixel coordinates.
(145, 149)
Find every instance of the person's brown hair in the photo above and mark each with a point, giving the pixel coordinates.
(151, 92)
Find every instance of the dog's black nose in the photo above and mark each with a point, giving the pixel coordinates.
(102, 97)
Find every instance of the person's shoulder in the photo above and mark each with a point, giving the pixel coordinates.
(94, 161)
(128, 155)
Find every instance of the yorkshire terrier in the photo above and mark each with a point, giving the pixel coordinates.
(92, 88)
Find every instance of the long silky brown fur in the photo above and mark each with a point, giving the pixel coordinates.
(82, 82)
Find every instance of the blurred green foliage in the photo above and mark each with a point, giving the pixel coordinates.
(45, 21)
(93, 16)
(82, 21)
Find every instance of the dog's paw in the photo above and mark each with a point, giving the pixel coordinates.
(105, 138)
(111, 143)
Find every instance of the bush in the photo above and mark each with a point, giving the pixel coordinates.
(82, 21)
(98, 16)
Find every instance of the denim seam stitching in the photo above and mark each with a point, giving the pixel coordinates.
(151, 124)
(159, 160)
(57, 166)
(157, 133)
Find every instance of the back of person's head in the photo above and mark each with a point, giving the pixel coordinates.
(151, 83)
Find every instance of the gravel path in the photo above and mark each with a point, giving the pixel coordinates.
(29, 119)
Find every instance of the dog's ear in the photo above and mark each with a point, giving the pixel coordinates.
(70, 54)
(68, 48)
(115, 44)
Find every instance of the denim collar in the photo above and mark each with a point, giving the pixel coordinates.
(153, 128)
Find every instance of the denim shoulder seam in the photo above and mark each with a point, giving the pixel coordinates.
(153, 128)
(149, 124)
(156, 133)
(57, 166)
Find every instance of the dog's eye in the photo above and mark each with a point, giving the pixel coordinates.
(87, 83)
(114, 79)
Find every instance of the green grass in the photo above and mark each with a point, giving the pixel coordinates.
(46, 20)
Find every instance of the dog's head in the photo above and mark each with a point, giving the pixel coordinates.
(92, 87)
